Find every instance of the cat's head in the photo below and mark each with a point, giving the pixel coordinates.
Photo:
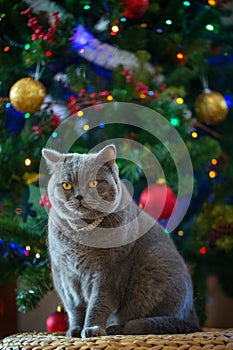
(83, 185)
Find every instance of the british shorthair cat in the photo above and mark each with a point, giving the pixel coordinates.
(113, 276)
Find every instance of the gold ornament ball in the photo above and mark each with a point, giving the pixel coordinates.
(27, 95)
(211, 107)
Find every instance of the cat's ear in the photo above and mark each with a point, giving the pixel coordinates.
(108, 155)
(52, 157)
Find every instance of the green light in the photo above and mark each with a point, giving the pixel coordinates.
(168, 22)
(124, 92)
(27, 46)
(87, 7)
(3, 15)
(27, 115)
(174, 121)
(186, 3)
(209, 27)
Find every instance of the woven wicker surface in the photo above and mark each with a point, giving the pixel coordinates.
(211, 339)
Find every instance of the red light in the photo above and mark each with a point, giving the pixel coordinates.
(113, 33)
(48, 53)
(203, 250)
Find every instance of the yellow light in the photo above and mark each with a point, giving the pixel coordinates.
(115, 29)
(214, 161)
(38, 255)
(80, 113)
(212, 174)
(180, 56)
(194, 135)
(28, 248)
(109, 98)
(180, 233)
(142, 96)
(27, 162)
(86, 127)
(143, 25)
(140, 206)
(161, 181)
(212, 2)
(180, 100)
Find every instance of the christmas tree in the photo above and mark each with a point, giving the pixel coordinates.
(60, 57)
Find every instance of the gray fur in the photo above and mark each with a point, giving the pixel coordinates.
(138, 288)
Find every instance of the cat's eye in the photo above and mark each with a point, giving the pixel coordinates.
(67, 186)
(93, 183)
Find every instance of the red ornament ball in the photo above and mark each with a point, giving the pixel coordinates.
(135, 9)
(158, 201)
(57, 321)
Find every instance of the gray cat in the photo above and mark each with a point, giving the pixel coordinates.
(112, 276)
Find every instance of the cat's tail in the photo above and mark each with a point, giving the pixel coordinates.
(160, 325)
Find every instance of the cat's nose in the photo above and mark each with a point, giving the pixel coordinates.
(79, 197)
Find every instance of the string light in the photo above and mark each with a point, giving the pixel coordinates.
(174, 121)
(86, 7)
(113, 33)
(194, 135)
(86, 127)
(209, 27)
(142, 95)
(6, 48)
(180, 56)
(143, 25)
(214, 161)
(180, 100)
(27, 162)
(80, 113)
(115, 28)
(186, 3)
(27, 47)
(8, 105)
(180, 233)
(54, 134)
(28, 248)
(109, 97)
(168, 22)
(37, 255)
(212, 174)
(203, 250)
(212, 2)
(27, 115)
(48, 53)
(123, 19)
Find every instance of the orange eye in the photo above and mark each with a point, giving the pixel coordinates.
(93, 183)
(67, 186)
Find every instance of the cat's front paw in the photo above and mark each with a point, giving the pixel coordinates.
(74, 332)
(94, 331)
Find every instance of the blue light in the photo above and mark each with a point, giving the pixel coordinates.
(159, 30)
(229, 100)
(151, 93)
(123, 19)
(54, 134)
(101, 125)
(91, 89)
(8, 105)
(81, 37)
